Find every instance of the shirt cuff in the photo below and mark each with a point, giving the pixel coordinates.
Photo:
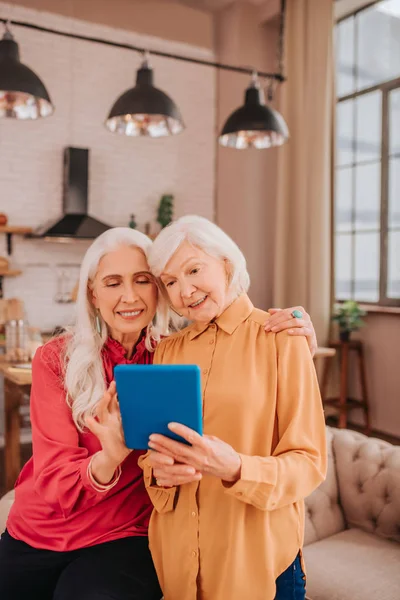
(257, 480)
(163, 499)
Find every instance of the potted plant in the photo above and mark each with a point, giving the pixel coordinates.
(348, 317)
(165, 210)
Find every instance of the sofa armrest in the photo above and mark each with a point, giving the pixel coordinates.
(323, 514)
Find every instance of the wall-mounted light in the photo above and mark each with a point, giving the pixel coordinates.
(145, 110)
(23, 95)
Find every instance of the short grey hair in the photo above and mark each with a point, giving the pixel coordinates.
(207, 236)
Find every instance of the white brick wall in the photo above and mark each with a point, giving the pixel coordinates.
(126, 174)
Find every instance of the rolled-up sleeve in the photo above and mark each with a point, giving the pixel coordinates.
(163, 499)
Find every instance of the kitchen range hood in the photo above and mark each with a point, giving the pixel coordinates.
(75, 222)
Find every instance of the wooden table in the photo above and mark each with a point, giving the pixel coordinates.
(17, 382)
(322, 352)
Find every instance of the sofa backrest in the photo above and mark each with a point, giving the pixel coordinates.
(324, 516)
(368, 473)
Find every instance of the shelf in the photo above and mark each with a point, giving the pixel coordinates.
(9, 273)
(16, 230)
(11, 230)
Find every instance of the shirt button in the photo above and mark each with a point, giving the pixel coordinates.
(194, 514)
(205, 371)
(194, 553)
(213, 326)
(211, 342)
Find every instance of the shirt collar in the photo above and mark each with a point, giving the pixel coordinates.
(117, 352)
(229, 320)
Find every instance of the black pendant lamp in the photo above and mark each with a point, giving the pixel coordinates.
(144, 110)
(256, 124)
(22, 94)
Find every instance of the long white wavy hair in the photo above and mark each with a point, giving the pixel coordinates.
(84, 374)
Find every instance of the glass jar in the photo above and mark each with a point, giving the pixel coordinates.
(11, 339)
(35, 341)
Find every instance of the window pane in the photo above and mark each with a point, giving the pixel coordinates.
(394, 193)
(393, 287)
(366, 280)
(368, 196)
(343, 266)
(345, 80)
(368, 127)
(378, 43)
(345, 132)
(394, 122)
(343, 199)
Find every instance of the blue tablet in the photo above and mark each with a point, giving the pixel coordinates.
(151, 396)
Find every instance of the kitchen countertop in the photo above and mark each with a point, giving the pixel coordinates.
(16, 375)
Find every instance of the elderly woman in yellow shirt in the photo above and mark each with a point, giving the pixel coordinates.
(229, 516)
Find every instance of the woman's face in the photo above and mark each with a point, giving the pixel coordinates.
(125, 292)
(196, 283)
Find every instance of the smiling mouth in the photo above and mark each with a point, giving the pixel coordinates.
(198, 302)
(129, 314)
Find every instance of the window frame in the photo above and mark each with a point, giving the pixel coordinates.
(385, 88)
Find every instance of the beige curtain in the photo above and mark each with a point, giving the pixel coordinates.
(302, 269)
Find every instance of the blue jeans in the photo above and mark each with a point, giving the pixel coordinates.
(291, 584)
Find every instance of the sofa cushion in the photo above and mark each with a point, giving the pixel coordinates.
(5, 505)
(368, 472)
(324, 517)
(353, 565)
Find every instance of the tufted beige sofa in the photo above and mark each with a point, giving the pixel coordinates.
(352, 543)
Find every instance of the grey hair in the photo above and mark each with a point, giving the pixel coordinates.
(210, 238)
(84, 374)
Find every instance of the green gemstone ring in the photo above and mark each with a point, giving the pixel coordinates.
(297, 314)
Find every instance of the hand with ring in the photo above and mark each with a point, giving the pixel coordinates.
(297, 322)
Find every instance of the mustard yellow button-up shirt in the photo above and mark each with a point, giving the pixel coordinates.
(214, 541)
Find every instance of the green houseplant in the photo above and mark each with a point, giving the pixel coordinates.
(348, 317)
(165, 210)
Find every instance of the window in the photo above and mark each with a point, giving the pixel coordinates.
(367, 172)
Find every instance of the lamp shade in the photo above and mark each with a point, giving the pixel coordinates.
(144, 110)
(22, 93)
(254, 125)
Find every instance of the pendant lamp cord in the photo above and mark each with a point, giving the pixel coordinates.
(272, 82)
(281, 40)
